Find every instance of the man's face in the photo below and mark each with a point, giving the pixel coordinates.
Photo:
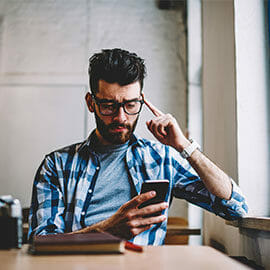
(118, 128)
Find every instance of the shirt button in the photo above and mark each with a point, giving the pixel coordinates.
(98, 168)
(83, 213)
(90, 191)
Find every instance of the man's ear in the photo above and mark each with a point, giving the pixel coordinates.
(89, 102)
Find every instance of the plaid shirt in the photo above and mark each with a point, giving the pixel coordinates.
(65, 182)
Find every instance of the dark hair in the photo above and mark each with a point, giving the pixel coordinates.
(115, 66)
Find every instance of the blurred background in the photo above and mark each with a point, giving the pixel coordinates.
(207, 63)
(45, 47)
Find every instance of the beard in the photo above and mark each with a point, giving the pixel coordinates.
(115, 137)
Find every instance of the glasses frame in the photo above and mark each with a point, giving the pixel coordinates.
(118, 105)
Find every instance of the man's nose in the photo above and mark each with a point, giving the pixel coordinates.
(120, 116)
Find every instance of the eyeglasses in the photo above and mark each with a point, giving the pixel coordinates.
(111, 107)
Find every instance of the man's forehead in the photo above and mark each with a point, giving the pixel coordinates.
(118, 92)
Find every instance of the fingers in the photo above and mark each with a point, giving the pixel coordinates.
(147, 211)
(136, 231)
(141, 223)
(152, 209)
(145, 216)
(160, 125)
(157, 126)
(130, 221)
(139, 199)
(153, 109)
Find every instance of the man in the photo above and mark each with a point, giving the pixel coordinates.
(94, 185)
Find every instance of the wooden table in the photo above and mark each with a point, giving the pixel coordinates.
(182, 230)
(173, 230)
(155, 258)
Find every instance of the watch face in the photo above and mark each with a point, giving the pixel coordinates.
(184, 154)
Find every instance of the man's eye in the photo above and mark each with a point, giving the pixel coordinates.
(131, 105)
(109, 106)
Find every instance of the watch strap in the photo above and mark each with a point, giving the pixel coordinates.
(187, 152)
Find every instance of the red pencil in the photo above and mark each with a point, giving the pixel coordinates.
(133, 247)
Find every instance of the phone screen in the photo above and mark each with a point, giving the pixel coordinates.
(159, 186)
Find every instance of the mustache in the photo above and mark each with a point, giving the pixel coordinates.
(118, 125)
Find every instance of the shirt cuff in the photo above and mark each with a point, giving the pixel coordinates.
(237, 203)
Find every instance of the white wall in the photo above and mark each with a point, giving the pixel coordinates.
(44, 51)
(194, 108)
(235, 115)
(41, 86)
(252, 66)
(219, 105)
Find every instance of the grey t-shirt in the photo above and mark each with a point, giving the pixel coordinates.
(113, 187)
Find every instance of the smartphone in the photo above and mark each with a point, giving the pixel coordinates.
(159, 186)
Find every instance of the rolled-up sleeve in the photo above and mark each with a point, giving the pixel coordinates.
(47, 205)
(237, 204)
(189, 186)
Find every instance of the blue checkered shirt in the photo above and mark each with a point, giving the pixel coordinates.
(65, 182)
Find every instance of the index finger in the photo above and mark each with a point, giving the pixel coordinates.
(153, 108)
(139, 199)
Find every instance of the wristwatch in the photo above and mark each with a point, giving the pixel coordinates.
(186, 153)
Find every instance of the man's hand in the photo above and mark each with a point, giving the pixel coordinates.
(166, 129)
(129, 220)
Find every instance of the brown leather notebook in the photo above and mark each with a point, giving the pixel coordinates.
(95, 242)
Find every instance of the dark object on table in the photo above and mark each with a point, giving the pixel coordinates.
(94, 242)
(10, 223)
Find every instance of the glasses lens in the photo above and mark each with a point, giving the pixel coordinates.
(110, 108)
(107, 108)
(133, 107)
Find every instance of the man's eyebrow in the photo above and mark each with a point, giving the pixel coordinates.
(105, 100)
(134, 99)
(113, 100)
